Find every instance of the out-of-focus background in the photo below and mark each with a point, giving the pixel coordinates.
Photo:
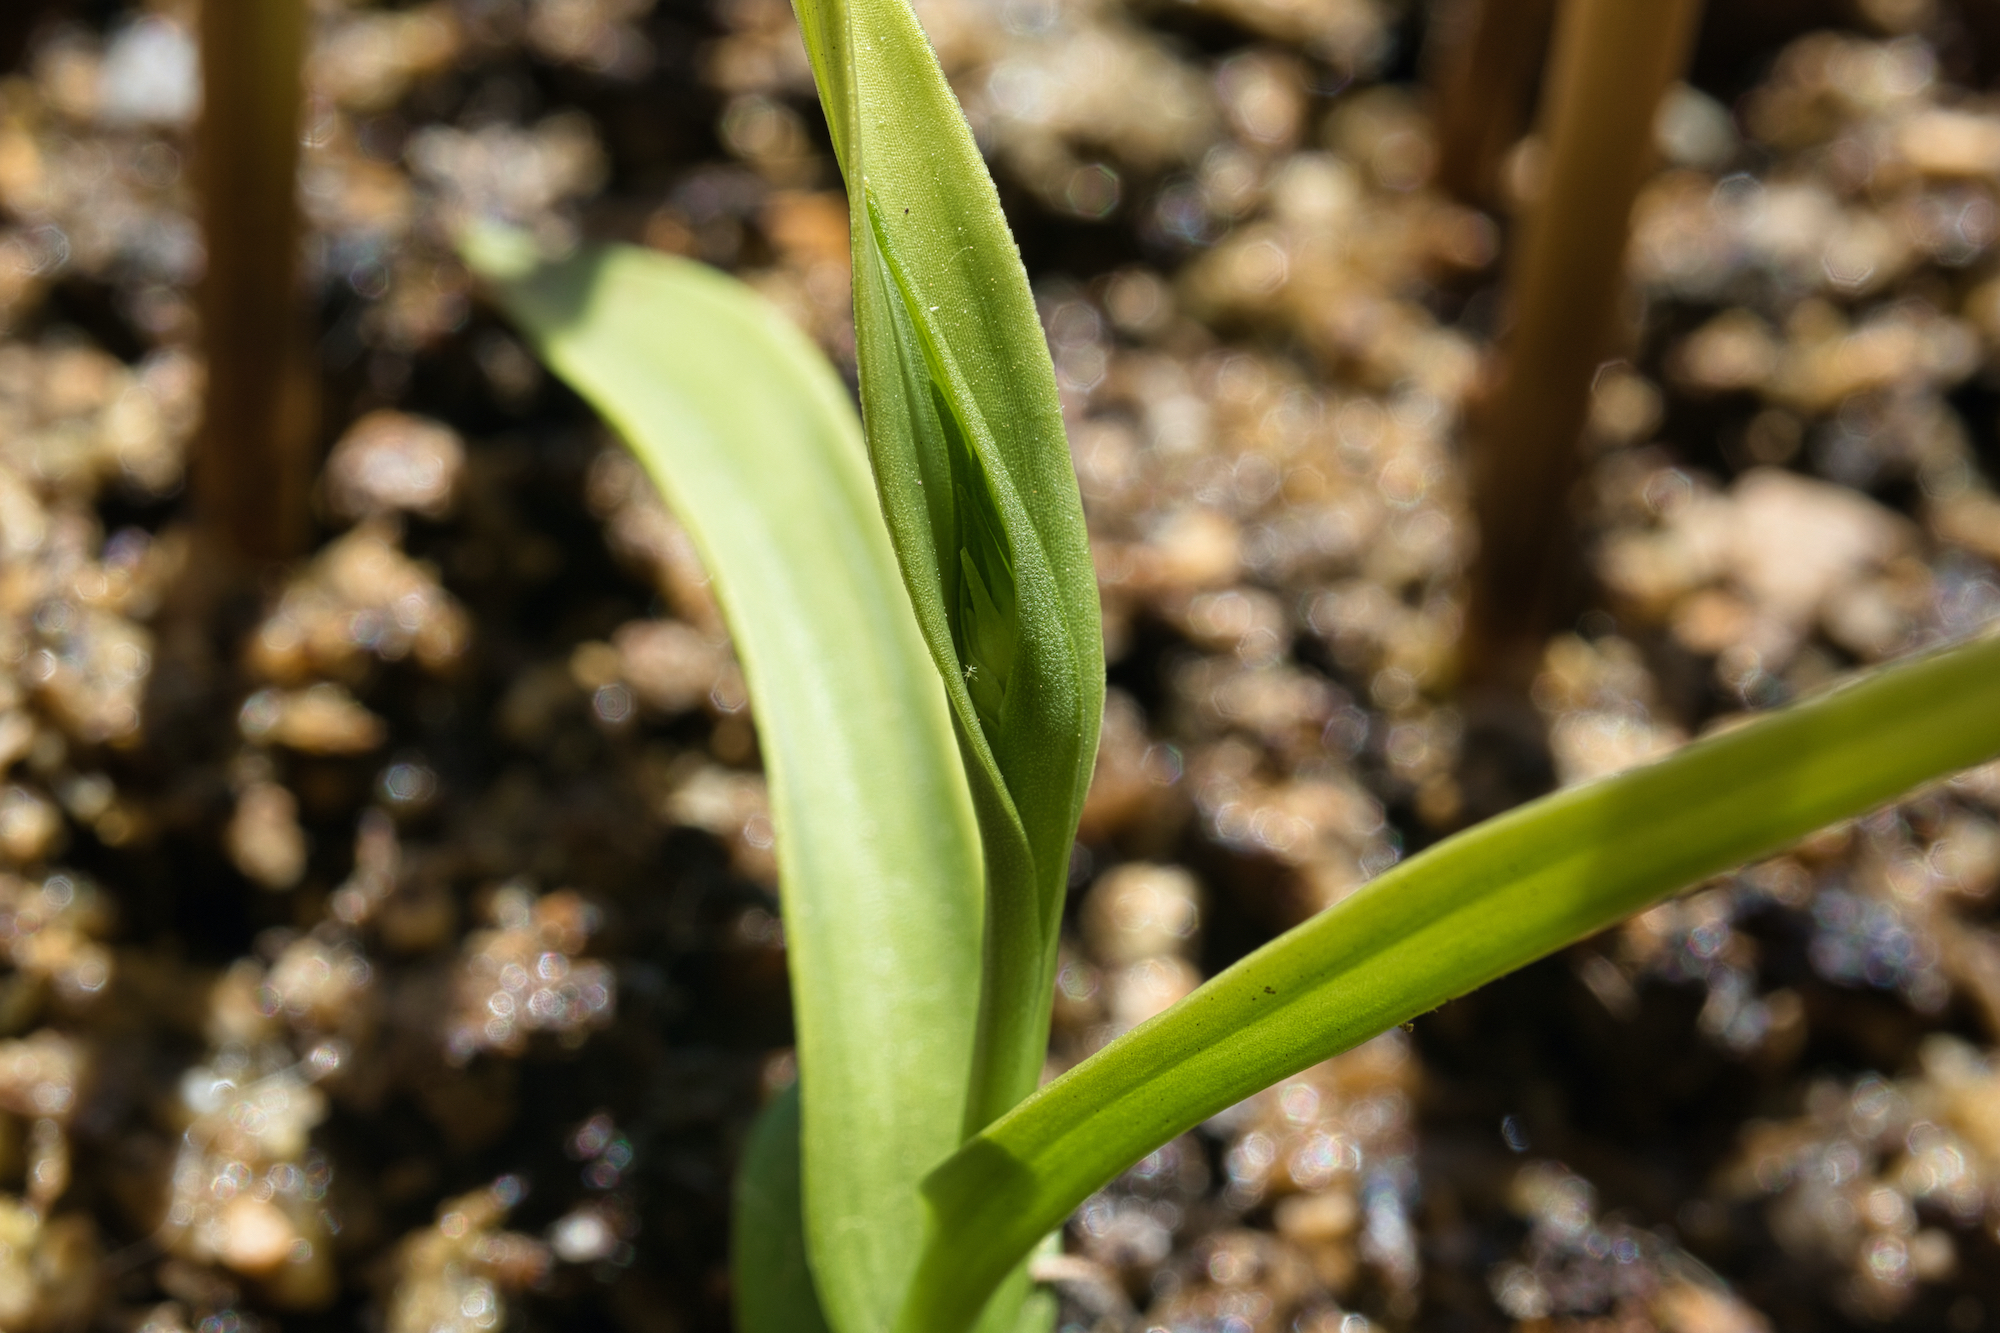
(418, 967)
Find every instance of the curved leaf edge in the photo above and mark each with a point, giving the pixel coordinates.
(873, 1111)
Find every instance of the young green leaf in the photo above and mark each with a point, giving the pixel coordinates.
(977, 487)
(767, 1239)
(1468, 910)
(753, 441)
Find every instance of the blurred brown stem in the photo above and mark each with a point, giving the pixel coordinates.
(1482, 63)
(251, 468)
(1612, 62)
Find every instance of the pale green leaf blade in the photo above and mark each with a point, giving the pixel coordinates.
(767, 1240)
(1462, 913)
(974, 470)
(754, 443)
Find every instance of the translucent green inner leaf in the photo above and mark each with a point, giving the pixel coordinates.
(987, 626)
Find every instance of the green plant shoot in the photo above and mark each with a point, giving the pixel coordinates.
(915, 676)
(833, 655)
(1471, 909)
(972, 464)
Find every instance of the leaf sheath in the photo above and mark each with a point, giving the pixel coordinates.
(976, 485)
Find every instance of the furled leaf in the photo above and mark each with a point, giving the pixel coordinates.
(753, 441)
(978, 489)
(1468, 910)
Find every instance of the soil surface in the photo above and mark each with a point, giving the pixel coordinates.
(405, 953)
